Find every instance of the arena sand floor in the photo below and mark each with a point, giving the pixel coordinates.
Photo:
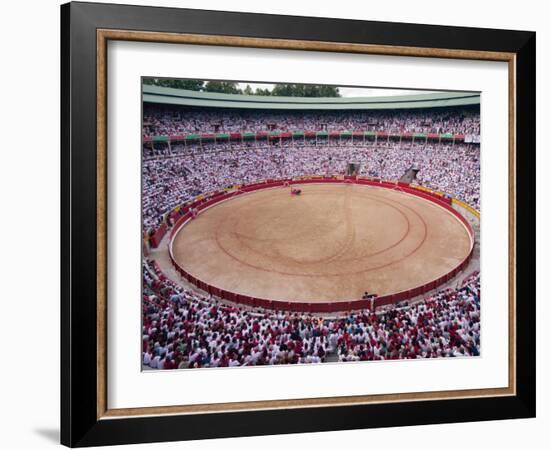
(331, 243)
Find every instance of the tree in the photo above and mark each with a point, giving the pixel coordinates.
(328, 91)
(224, 87)
(305, 90)
(284, 90)
(265, 92)
(230, 87)
(192, 85)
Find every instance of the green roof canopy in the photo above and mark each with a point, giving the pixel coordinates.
(182, 97)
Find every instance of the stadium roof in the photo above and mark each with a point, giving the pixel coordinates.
(170, 96)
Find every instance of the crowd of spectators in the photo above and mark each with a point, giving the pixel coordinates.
(194, 170)
(444, 324)
(183, 328)
(186, 329)
(162, 120)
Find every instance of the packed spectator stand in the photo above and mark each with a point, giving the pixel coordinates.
(184, 328)
(172, 181)
(165, 120)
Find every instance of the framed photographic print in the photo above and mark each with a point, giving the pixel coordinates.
(277, 224)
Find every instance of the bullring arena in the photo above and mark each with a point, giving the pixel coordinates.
(276, 231)
(330, 244)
